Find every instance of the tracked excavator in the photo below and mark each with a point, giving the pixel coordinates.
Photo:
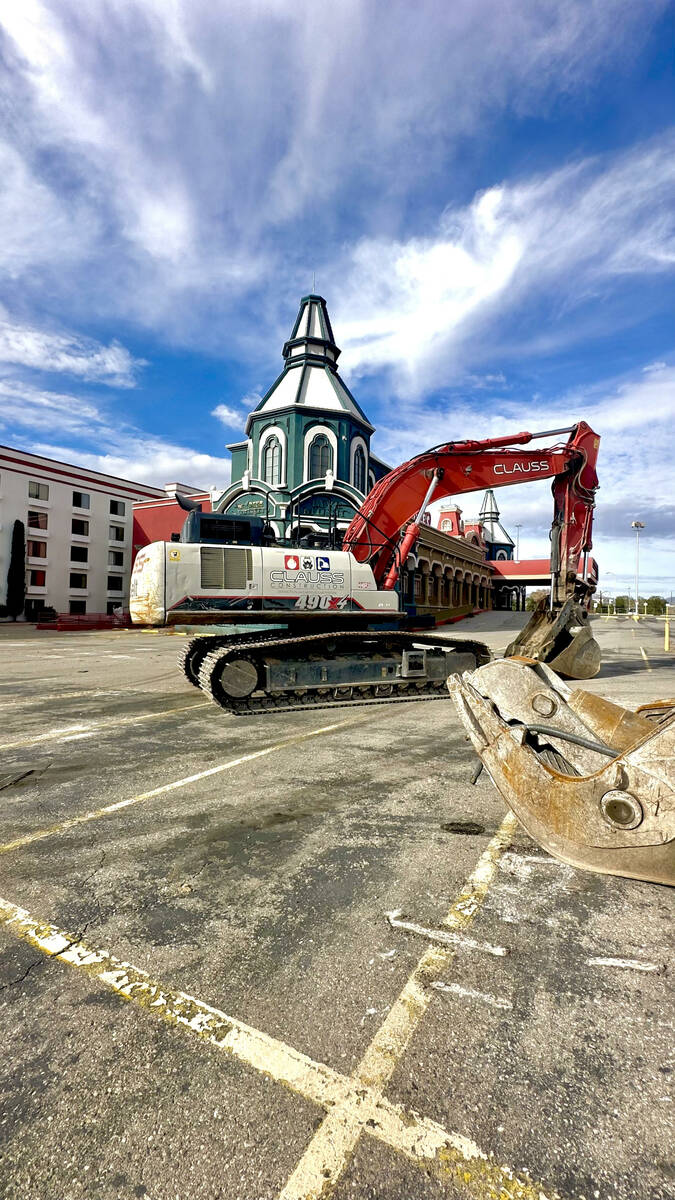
(336, 631)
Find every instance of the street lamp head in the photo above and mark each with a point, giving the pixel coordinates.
(637, 524)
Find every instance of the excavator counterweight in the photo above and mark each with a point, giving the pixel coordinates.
(591, 781)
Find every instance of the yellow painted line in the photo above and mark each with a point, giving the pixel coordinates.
(643, 652)
(454, 1157)
(331, 1148)
(111, 722)
(95, 814)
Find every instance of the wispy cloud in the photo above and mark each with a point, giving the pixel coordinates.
(99, 440)
(229, 416)
(423, 307)
(164, 184)
(38, 349)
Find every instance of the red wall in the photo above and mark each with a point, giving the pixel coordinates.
(156, 522)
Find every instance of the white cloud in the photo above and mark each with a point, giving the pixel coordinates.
(426, 306)
(158, 185)
(230, 417)
(23, 345)
(100, 441)
(148, 460)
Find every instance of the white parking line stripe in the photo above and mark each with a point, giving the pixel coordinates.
(334, 1142)
(456, 989)
(629, 964)
(445, 936)
(643, 652)
(427, 1144)
(110, 722)
(94, 815)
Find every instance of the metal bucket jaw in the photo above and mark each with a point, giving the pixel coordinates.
(592, 782)
(562, 638)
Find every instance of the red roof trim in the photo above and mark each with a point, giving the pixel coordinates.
(35, 467)
(160, 501)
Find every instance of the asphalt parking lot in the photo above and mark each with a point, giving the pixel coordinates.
(201, 994)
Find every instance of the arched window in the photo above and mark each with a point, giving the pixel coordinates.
(272, 462)
(359, 470)
(320, 457)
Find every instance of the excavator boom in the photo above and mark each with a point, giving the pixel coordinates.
(559, 631)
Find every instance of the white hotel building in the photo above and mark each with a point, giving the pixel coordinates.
(78, 526)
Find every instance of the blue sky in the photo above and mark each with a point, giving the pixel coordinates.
(484, 190)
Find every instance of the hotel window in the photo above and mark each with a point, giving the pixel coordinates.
(79, 528)
(38, 578)
(117, 508)
(38, 491)
(112, 606)
(320, 457)
(80, 500)
(77, 580)
(36, 549)
(116, 533)
(272, 462)
(37, 520)
(77, 606)
(79, 554)
(115, 583)
(115, 558)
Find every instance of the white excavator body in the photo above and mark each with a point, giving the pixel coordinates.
(189, 583)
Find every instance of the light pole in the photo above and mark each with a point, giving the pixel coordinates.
(637, 526)
(518, 529)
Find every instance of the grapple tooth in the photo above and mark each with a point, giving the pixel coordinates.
(562, 638)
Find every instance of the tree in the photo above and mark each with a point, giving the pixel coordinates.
(16, 575)
(622, 604)
(656, 606)
(534, 597)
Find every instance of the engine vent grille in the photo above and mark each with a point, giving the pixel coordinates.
(225, 569)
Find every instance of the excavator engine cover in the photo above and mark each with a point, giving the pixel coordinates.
(592, 782)
(563, 639)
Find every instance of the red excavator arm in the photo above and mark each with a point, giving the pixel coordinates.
(374, 535)
(559, 631)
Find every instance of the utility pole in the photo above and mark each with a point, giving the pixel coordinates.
(637, 526)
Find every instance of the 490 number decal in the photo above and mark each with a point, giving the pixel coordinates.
(330, 602)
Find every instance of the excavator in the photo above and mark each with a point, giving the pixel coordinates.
(336, 631)
(589, 780)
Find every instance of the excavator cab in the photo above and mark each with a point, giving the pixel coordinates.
(591, 781)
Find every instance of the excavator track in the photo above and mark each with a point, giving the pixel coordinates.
(242, 667)
(193, 653)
